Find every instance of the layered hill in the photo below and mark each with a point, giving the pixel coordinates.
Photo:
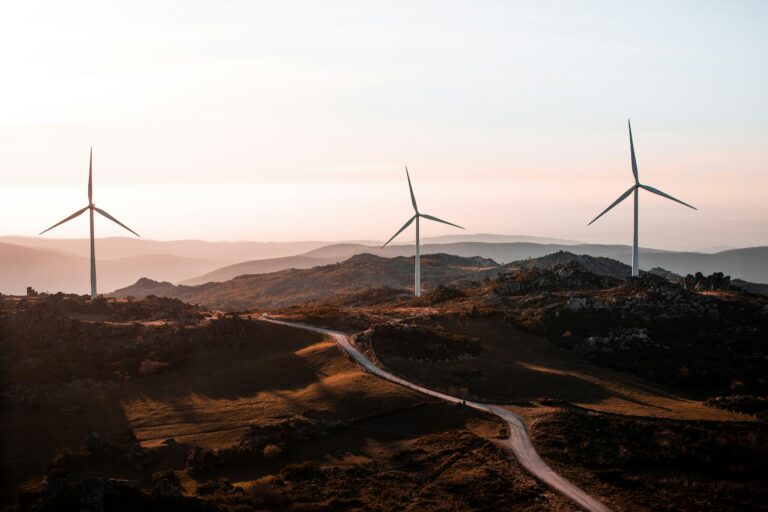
(225, 252)
(258, 267)
(288, 287)
(121, 260)
(52, 270)
(359, 274)
(749, 264)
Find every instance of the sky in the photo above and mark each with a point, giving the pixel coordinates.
(291, 120)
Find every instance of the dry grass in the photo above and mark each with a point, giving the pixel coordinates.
(211, 397)
(518, 367)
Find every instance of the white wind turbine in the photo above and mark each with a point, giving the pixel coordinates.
(635, 189)
(416, 217)
(92, 207)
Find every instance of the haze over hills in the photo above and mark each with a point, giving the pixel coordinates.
(226, 252)
(52, 264)
(258, 267)
(750, 264)
(53, 271)
(358, 274)
(491, 238)
(288, 287)
(61, 264)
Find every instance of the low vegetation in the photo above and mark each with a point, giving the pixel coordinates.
(651, 464)
(643, 390)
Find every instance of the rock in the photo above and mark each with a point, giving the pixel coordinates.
(699, 282)
(570, 275)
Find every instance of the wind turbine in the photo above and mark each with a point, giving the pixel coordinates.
(416, 217)
(635, 189)
(92, 207)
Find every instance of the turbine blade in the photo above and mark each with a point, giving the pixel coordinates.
(115, 220)
(90, 178)
(662, 194)
(413, 197)
(632, 150)
(78, 212)
(400, 230)
(620, 199)
(430, 217)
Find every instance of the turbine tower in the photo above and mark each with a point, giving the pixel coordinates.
(634, 189)
(92, 207)
(416, 217)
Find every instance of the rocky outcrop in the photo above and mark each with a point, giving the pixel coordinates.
(561, 276)
(662, 330)
(700, 282)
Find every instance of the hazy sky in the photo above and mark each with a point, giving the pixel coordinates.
(293, 120)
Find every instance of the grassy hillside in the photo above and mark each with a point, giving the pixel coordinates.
(157, 405)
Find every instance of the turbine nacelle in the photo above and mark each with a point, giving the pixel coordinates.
(417, 214)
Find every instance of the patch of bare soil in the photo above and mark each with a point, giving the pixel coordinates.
(653, 464)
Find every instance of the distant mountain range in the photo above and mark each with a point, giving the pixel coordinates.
(749, 264)
(490, 238)
(125, 247)
(48, 270)
(62, 264)
(358, 273)
(296, 286)
(50, 264)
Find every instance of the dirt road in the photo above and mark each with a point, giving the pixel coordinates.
(518, 442)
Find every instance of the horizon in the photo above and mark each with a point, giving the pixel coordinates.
(267, 125)
(426, 240)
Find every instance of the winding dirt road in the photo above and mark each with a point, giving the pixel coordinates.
(518, 441)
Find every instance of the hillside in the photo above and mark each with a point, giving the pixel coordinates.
(749, 264)
(155, 405)
(257, 267)
(358, 275)
(287, 287)
(597, 265)
(121, 260)
(192, 405)
(627, 385)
